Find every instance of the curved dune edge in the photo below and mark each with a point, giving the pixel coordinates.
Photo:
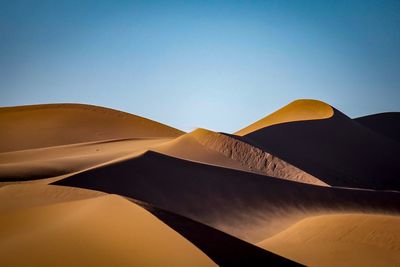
(103, 231)
(298, 110)
(340, 240)
(39, 126)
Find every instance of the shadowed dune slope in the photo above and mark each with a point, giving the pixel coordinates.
(387, 124)
(298, 110)
(224, 249)
(102, 231)
(338, 150)
(246, 205)
(340, 240)
(39, 126)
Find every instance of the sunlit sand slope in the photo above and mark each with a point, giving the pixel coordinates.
(102, 231)
(40, 126)
(341, 240)
(299, 110)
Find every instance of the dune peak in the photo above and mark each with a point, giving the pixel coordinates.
(298, 110)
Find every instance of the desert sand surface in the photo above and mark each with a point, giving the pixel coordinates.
(82, 185)
(340, 240)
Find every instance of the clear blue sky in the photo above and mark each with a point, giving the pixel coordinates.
(214, 64)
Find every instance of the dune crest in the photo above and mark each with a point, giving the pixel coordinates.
(298, 110)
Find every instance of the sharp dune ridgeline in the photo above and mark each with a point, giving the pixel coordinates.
(83, 185)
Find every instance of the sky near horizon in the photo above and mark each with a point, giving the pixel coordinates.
(219, 65)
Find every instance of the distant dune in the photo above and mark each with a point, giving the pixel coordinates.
(82, 185)
(39, 126)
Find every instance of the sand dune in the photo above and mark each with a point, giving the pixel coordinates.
(39, 126)
(338, 150)
(102, 231)
(340, 240)
(299, 110)
(387, 124)
(246, 205)
(287, 183)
